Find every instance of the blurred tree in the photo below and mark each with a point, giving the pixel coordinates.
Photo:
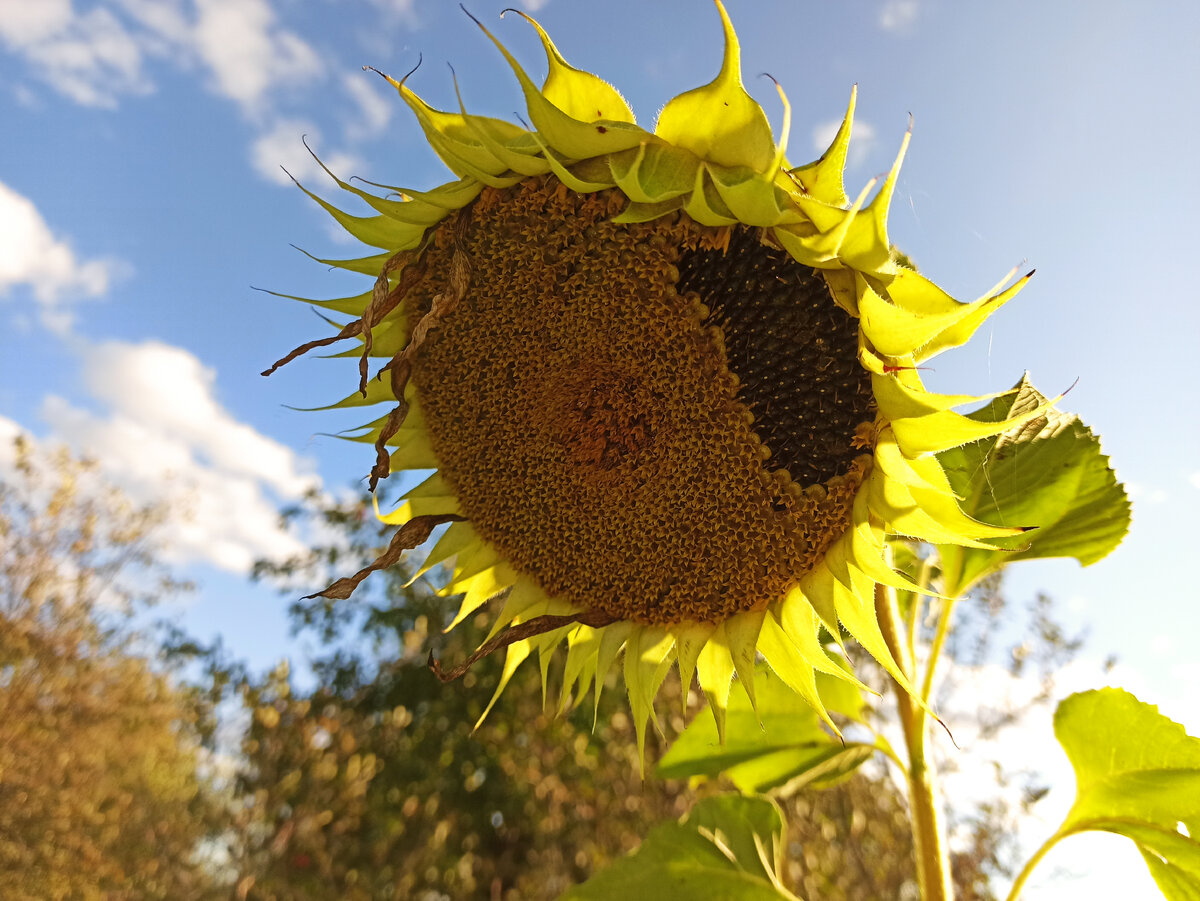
(101, 792)
(374, 784)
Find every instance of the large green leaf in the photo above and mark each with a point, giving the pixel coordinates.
(728, 848)
(1137, 774)
(782, 745)
(1047, 475)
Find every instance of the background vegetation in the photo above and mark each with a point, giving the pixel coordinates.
(137, 764)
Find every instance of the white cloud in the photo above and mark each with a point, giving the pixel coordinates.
(1078, 603)
(862, 139)
(898, 15)
(166, 21)
(23, 23)
(1148, 493)
(1194, 478)
(9, 430)
(1187, 674)
(1162, 644)
(374, 109)
(161, 434)
(31, 254)
(247, 52)
(95, 56)
(403, 10)
(282, 146)
(91, 58)
(157, 383)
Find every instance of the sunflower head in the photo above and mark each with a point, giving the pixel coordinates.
(667, 382)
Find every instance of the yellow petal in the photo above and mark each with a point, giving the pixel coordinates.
(790, 666)
(714, 668)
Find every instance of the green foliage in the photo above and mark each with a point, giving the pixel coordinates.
(387, 791)
(780, 746)
(1047, 475)
(728, 848)
(1138, 775)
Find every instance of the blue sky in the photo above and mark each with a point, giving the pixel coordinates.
(141, 198)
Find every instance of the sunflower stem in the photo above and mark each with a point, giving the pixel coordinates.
(1019, 884)
(933, 863)
(935, 649)
(918, 604)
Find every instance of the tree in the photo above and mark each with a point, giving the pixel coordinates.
(102, 794)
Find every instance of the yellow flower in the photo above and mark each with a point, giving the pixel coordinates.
(667, 382)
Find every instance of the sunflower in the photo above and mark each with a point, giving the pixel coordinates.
(667, 383)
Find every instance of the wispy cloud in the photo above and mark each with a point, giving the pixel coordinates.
(403, 10)
(898, 15)
(1186, 674)
(166, 23)
(1194, 478)
(373, 110)
(248, 53)
(32, 255)
(23, 23)
(1150, 494)
(92, 57)
(282, 148)
(95, 56)
(245, 53)
(157, 429)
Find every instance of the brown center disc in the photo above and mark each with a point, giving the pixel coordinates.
(654, 420)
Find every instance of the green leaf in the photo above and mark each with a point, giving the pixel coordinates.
(782, 746)
(1138, 775)
(1129, 759)
(792, 769)
(728, 848)
(1047, 475)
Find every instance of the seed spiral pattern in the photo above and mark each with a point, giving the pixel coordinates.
(787, 342)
